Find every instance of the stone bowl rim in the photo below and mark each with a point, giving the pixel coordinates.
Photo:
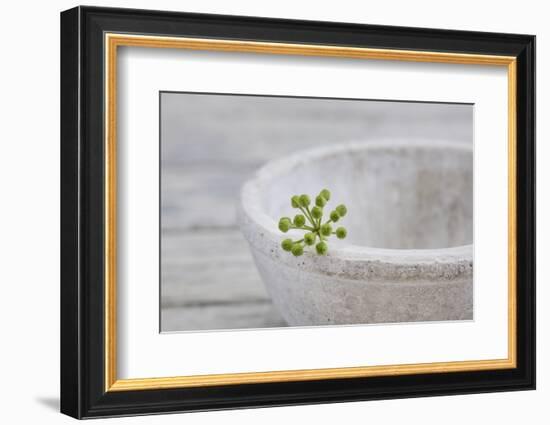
(262, 232)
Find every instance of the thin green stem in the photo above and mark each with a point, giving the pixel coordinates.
(307, 213)
(303, 211)
(292, 226)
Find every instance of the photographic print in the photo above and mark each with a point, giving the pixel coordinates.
(297, 211)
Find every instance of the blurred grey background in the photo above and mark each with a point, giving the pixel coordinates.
(210, 144)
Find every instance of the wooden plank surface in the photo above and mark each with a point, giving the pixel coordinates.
(209, 146)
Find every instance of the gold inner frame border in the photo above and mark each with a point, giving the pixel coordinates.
(111, 43)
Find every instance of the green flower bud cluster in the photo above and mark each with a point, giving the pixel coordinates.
(311, 221)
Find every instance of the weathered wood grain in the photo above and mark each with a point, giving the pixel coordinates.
(226, 316)
(208, 267)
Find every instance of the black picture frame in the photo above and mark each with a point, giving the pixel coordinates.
(83, 392)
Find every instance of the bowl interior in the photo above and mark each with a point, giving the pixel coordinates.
(399, 196)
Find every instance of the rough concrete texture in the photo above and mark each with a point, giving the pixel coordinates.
(408, 255)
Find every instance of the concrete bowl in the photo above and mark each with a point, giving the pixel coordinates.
(408, 254)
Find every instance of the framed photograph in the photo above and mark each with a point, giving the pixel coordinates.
(261, 212)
